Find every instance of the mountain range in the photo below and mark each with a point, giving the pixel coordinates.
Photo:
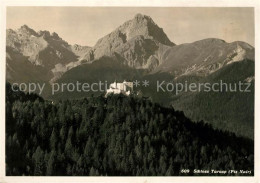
(140, 49)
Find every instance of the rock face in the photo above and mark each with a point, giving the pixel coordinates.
(203, 57)
(137, 41)
(44, 49)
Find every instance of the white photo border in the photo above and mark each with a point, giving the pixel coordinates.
(130, 3)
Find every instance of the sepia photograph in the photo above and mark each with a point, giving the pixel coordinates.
(129, 91)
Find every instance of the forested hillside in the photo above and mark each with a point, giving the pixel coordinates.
(113, 136)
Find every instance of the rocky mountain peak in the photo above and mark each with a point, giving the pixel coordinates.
(137, 41)
(25, 27)
(45, 34)
(140, 25)
(145, 26)
(41, 48)
(143, 18)
(54, 35)
(25, 30)
(10, 31)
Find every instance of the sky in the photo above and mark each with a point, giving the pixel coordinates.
(85, 25)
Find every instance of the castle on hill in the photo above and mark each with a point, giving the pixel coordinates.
(125, 88)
